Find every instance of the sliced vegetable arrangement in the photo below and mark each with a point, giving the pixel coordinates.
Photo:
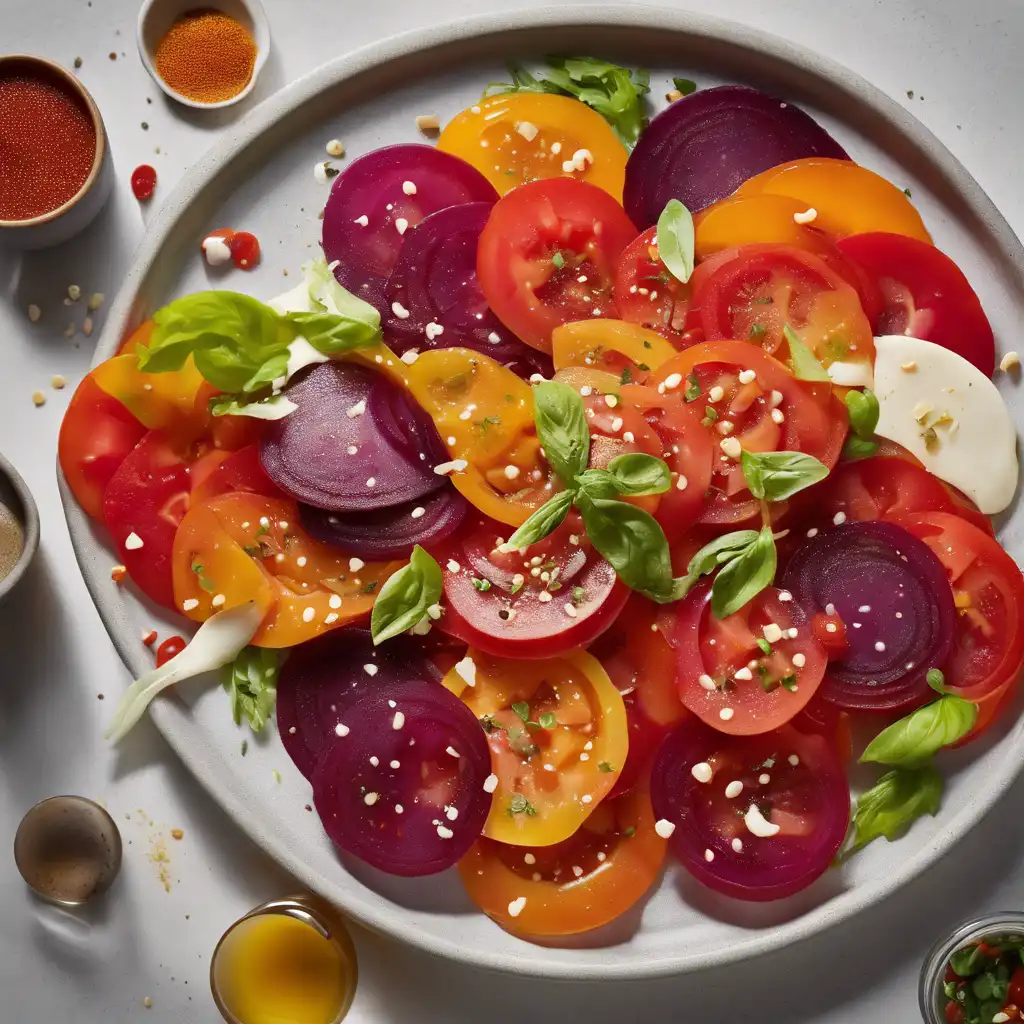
(577, 505)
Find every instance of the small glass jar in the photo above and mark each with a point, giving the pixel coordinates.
(311, 912)
(992, 928)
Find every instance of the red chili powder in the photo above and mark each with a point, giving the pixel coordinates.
(47, 146)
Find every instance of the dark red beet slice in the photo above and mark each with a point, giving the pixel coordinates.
(892, 595)
(407, 427)
(703, 147)
(804, 779)
(322, 677)
(434, 282)
(333, 453)
(377, 187)
(403, 790)
(391, 532)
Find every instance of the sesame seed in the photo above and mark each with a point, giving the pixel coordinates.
(355, 564)
(702, 771)
(673, 380)
(341, 730)
(330, 618)
(879, 646)
(308, 613)
(444, 832)
(757, 824)
(362, 221)
(737, 845)
(375, 761)
(731, 447)
(401, 225)
(709, 855)
(529, 858)
(611, 401)
(734, 789)
(570, 610)
(747, 376)
(764, 779)
(772, 632)
(370, 669)
(357, 410)
(515, 908)
(189, 605)
(218, 600)
(399, 809)
(839, 518)
(807, 217)
(490, 783)
(371, 798)
(455, 466)
(586, 798)
(1009, 362)
(398, 721)
(707, 682)
(409, 188)
(511, 472)
(910, 367)
(793, 760)
(664, 828)
(725, 714)
(743, 674)
(778, 416)
(799, 660)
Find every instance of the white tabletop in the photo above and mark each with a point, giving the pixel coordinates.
(962, 64)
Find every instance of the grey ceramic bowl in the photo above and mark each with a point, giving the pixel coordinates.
(80, 210)
(14, 493)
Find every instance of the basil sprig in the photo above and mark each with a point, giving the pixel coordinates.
(898, 799)
(676, 240)
(251, 683)
(803, 362)
(775, 476)
(407, 595)
(912, 740)
(561, 420)
(862, 407)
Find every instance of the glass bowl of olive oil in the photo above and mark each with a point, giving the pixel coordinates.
(19, 527)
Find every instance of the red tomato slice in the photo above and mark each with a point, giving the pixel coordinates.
(765, 287)
(925, 295)
(574, 886)
(648, 295)
(642, 665)
(96, 435)
(813, 421)
(988, 591)
(498, 604)
(235, 471)
(728, 680)
(145, 501)
(822, 718)
(547, 256)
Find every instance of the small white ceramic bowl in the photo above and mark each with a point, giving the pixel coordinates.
(80, 210)
(157, 16)
(14, 493)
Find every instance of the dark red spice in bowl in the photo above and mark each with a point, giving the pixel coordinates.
(47, 142)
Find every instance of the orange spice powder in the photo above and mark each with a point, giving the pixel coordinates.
(206, 56)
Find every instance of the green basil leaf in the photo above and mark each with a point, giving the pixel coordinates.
(251, 682)
(636, 474)
(597, 483)
(710, 557)
(775, 476)
(893, 803)
(562, 428)
(936, 680)
(685, 85)
(404, 599)
(545, 520)
(339, 321)
(862, 407)
(803, 362)
(968, 961)
(276, 407)
(632, 541)
(914, 739)
(676, 240)
(855, 448)
(744, 577)
(615, 92)
(238, 343)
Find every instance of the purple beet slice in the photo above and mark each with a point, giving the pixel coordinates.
(434, 284)
(333, 453)
(704, 146)
(378, 198)
(403, 788)
(322, 677)
(892, 594)
(391, 532)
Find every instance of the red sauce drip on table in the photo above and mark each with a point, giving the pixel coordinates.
(143, 182)
(47, 146)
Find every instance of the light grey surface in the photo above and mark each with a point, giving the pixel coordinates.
(259, 177)
(56, 657)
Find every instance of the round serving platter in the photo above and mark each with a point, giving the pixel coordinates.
(260, 178)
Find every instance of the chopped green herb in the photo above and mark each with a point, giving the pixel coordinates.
(522, 709)
(626, 377)
(489, 724)
(629, 832)
(264, 528)
(208, 585)
(482, 585)
(515, 588)
(710, 416)
(604, 766)
(788, 682)
(558, 260)
(936, 680)
(907, 192)
(692, 391)
(766, 647)
(489, 421)
(685, 85)
(577, 595)
(647, 344)
(520, 805)
(757, 331)
(548, 720)
(245, 747)
(369, 588)
(644, 367)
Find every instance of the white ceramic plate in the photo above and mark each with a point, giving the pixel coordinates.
(260, 177)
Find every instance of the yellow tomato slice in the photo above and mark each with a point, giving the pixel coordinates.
(248, 547)
(849, 199)
(749, 219)
(518, 137)
(154, 399)
(595, 343)
(558, 736)
(484, 414)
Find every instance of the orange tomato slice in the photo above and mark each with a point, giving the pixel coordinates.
(558, 736)
(609, 345)
(247, 547)
(749, 219)
(518, 137)
(849, 199)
